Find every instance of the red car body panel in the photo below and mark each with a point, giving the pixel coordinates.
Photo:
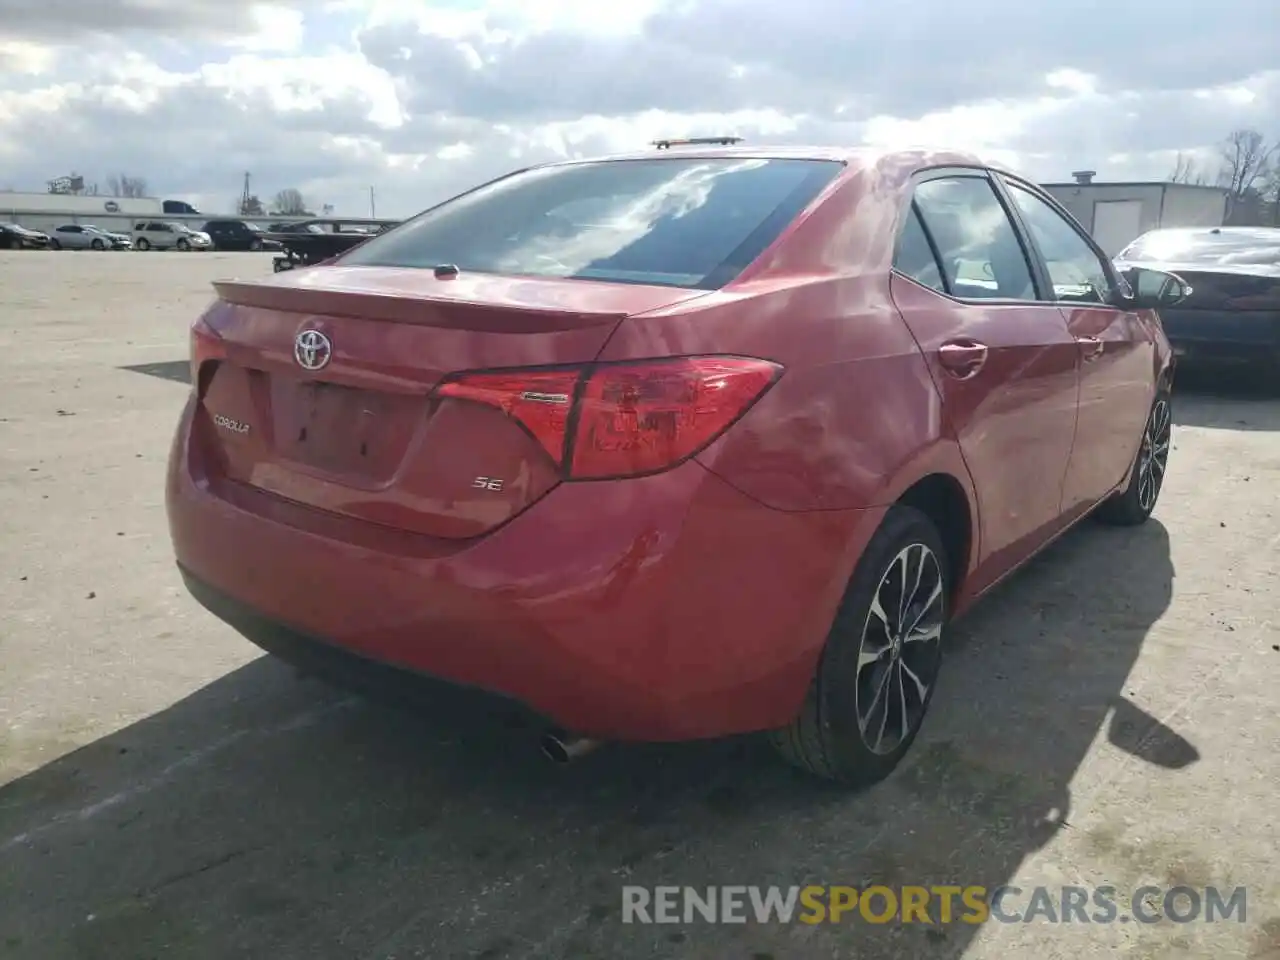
(594, 628)
(693, 602)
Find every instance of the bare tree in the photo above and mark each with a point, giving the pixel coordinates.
(1187, 170)
(1246, 160)
(290, 203)
(123, 185)
(250, 206)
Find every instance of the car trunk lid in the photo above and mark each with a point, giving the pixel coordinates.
(360, 434)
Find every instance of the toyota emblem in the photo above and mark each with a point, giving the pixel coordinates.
(312, 350)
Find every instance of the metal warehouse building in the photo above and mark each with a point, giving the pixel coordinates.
(1116, 213)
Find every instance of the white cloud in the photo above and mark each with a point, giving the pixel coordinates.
(276, 29)
(419, 100)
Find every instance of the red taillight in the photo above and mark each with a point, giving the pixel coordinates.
(643, 417)
(626, 419)
(205, 345)
(539, 400)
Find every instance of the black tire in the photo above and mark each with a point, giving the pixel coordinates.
(827, 739)
(183, 245)
(142, 244)
(1134, 504)
(98, 245)
(54, 245)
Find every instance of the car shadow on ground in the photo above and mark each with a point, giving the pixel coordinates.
(178, 371)
(268, 815)
(1226, 399)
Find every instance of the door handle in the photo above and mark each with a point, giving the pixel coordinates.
(1091, 347)
(962, 358)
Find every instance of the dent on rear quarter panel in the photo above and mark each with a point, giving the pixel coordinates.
(855, 418)
(854, 410)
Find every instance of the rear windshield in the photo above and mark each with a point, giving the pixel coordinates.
(1240, 247)
(683, 222)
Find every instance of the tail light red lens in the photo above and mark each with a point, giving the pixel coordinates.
(623, 420)
(539, 400)
(206, 345)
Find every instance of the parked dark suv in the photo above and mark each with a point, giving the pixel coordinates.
(238, 235)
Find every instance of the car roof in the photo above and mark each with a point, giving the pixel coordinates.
(859, 158)
(1264, 234)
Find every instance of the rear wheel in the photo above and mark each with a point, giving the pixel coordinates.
(143, 244)
(877, 672)
(1135, 503)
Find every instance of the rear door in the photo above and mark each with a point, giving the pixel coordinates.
(1117, 350)
(1004, 362)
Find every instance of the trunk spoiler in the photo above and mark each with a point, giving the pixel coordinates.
(507, 313)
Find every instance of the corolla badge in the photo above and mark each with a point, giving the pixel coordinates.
(226, 423)
(312, 349)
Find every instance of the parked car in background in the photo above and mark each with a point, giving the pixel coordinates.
(731, 465)
(76, 236)
(15, 237)
(316, 241)
(294, 226)
(1233, 311)
(239, 235)
(169, 235)
(119, 241)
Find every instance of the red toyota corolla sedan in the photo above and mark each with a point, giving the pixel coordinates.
(673, 445)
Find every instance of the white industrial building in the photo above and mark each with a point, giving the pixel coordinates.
(44, 211)
(1117, 213)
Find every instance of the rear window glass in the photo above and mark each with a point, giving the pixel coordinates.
(685, 222)
(1226, 248)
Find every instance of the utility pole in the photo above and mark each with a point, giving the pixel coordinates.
(244, 197)
(373, 210)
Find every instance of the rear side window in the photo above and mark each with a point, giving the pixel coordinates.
(981, 255)
(914, 256)
(684, 222)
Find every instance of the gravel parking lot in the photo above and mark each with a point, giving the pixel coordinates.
(1110, 717)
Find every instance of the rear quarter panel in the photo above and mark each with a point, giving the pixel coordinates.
(853, 420)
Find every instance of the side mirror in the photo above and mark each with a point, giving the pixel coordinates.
(1153, 289)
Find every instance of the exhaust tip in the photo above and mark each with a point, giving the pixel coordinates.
(561, 750)
(553, 749)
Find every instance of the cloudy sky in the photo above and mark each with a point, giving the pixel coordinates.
(421, 99)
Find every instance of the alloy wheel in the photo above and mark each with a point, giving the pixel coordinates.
(1153, 458)
(900, 649)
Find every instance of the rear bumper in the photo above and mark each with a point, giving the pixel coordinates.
(664, 608)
